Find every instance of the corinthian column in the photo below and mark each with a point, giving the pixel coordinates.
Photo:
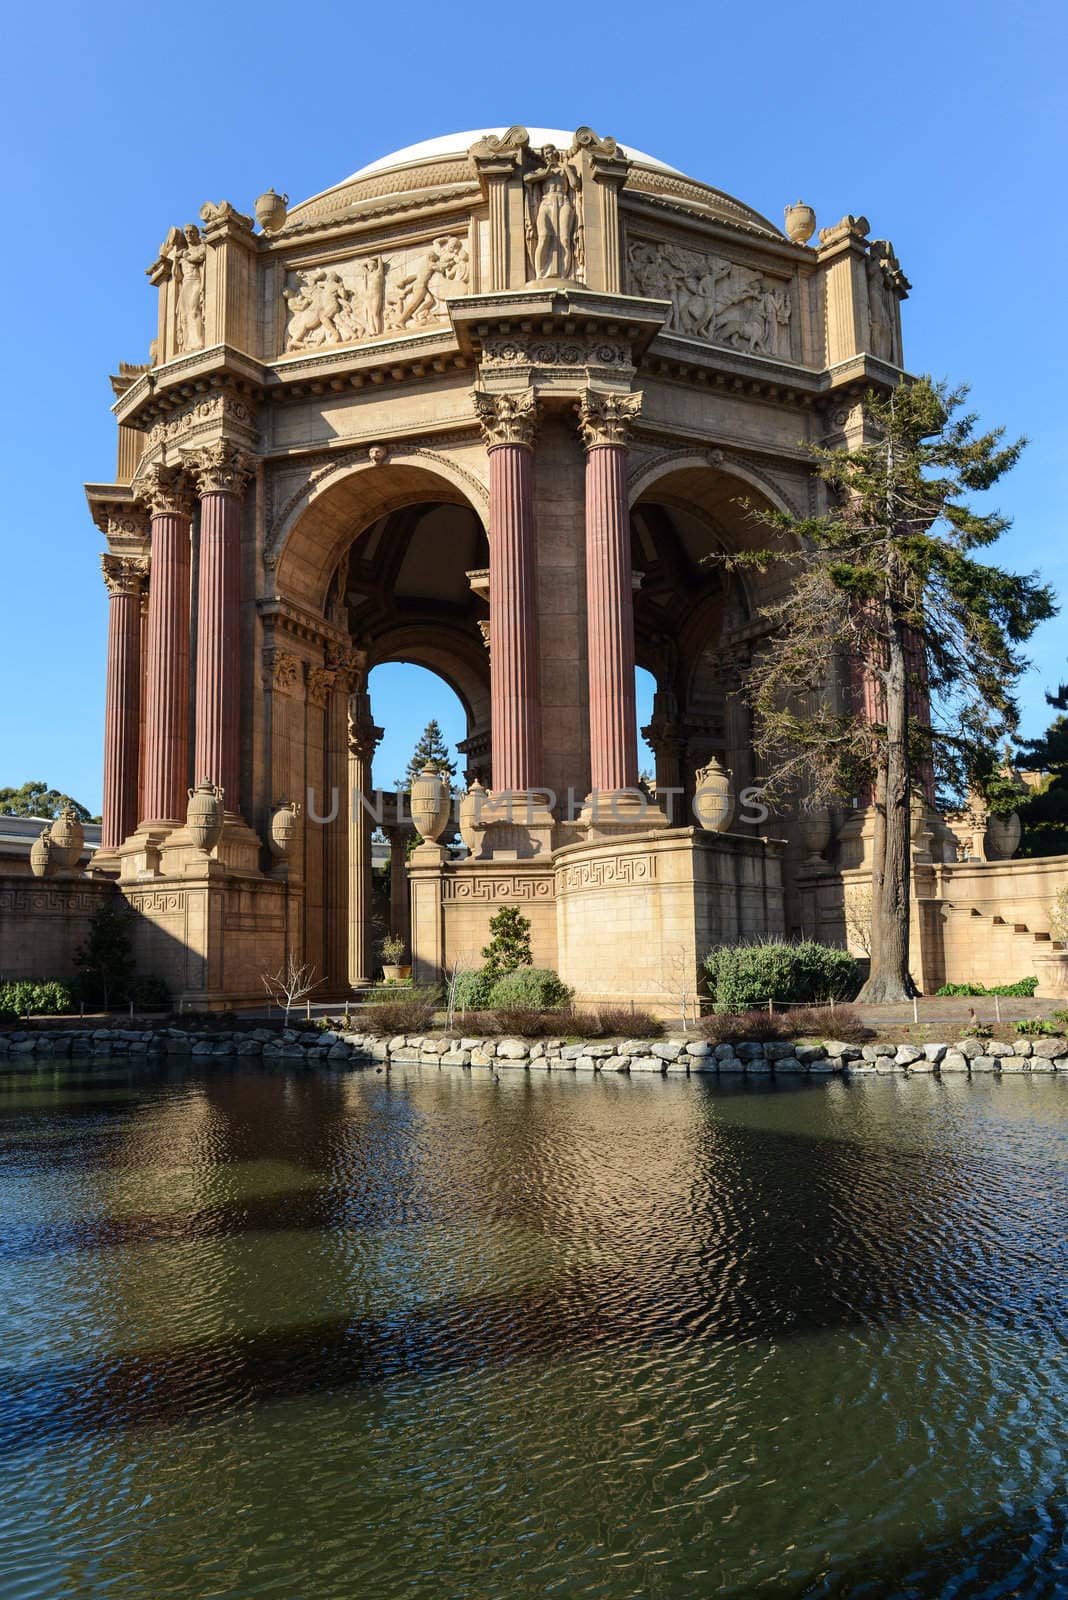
(604, 422)
(363, 741)
(170, 505)
(221, 473)
(124, 577)
(508, 422)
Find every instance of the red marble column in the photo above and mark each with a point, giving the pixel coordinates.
(508, 423)
(167, 668)
(124, 577)
(221, 474)
(604, 421)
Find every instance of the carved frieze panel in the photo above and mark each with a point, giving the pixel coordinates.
(405, 290)
(507, 352)
(495, 889)
(719, 301)
(625, 871)
(226, 409)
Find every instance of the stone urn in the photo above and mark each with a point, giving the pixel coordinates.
(431, 803)
(67, 838)
(283, 829)
(271, 211)
(204, 817)
(713, 801)
(816, 834)
(41, 864)
(1002, 838)
(472, 816)
(800, 223)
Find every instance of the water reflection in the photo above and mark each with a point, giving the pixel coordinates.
(427, 1334)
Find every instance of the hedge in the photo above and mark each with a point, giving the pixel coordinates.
(741, 976)
(1022, 989)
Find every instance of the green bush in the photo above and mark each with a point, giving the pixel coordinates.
(741, 976)
(1035, 1027)
(530, 988)
(149, 994)
(29, 997)
(470, 990)
(1022, 989)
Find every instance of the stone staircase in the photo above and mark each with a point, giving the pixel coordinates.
(992, 951)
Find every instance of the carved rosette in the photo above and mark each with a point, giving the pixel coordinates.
(606, 419)
(124, 575)
(165, 492)
(219, 468)
(508, 418)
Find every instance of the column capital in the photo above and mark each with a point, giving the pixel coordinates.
(219, 468)
(348, 663)
(364, 736)
(124, 575)
(165, 492)
(507, 418)
(606, 418)
(281, 670)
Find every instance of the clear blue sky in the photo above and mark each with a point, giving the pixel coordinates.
(943, 123)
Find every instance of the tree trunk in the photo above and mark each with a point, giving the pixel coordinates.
(889, 978)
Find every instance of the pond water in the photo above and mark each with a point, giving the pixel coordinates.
(424, 1334)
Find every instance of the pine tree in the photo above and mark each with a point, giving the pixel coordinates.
(886, 580)
(1044, 813)
(431, 751)
(509, 945)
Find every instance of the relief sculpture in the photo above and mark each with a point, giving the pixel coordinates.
(187, 254)
(364, 299)
(554, 217)
(719, 301)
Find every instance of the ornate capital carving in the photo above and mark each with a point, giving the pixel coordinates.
(320, 682)
(509, 418)
(606, 418)
(124, 575)
(219, 467)
(348, 665)
(165, 492)
(281, 670)
(120, 521)
(508, 146)
(364, 736)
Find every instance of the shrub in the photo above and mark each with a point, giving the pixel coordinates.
(742, 976)
(533, 988)
(820, 1022)
(470, 990)
(150, 994)
(527, 1022)
(509, 945)
(1022, 989)
(106, 960)
(615, 1022)
(387, 1013)
(30, 997)
(1035, 1027)
(724, 1027)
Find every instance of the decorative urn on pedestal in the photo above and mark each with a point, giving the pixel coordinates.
(204, 817)
(800, 222)
(41, 864)
(1002, 838)
(431, 803)
(271, 211)
(471, 819)
(815, 834)
(67, 838)
(713, 801)
(283, 828)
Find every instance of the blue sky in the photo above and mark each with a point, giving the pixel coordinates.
(943, 123)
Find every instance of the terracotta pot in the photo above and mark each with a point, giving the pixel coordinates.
(41, 863)
(395, 974)
(271, 211)
(713, 801)
(800, 223)
(431, 803)
(1002, 838)
(472, 817)
(283, 829)
(68, 840)
(816, 832)
(204, 818)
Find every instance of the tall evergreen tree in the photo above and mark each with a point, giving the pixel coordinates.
(886, 580)
(1044, 813)
(431, 751)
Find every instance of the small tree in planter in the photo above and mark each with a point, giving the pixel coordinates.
(391, 949)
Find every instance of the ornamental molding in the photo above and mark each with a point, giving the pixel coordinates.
(507, 418)
(282, 670)
(49, 902)
(219, 468)
(320, 681)
(124, 575)
(621, 873)
(122, 522)
(227, 409)
(606, 418)
(156, 902)
(165, 492)
(494, 888)
(515, 350)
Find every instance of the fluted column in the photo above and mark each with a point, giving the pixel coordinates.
(508, 423)
(400, 917)
(363, 741)
(604, 422)
(221, 473)
(124, 577)
(170, 504)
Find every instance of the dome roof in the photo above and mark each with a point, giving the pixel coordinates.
(455, 144)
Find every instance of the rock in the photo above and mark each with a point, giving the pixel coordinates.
(994, 1047)
(861, 1069)
(953, 1061)
(338, 1051)
(600, 1052)
(810, 1052)
(790, 1064)
(843, 1052)
(328, 1038)
(204, 1048)
(456, 1058)
(825, 1064)
(706, 1064)
(935, 1052)
(699, 1048)
(906, 1054)
(985, 1064)
(470, 1044)
(1051, 1049)
(250, 1047)
(1022, 1047)
(750, 1050)
(585, 1063)
(512, 1050)
(667, 1050)
(753, 1065)
(725, 1050)
(1015, 1063)
(571, 1052)
(1042, 1064)
(776, 1049)
(730, 1064)
(971, 1047)
(872, 1052)
(922, 1065)
(646, 1064)
(479, 1058)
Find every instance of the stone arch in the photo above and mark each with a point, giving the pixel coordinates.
(650, 471)
(343, 497)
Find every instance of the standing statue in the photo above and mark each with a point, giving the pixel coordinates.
(372, 295)
(189, 276)
(554, 224)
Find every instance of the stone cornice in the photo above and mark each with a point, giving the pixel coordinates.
(117, 515)
(165, 492)
(285, 617)
(507, 418)
(175, 383)
(566, 309)
(606, 418)
(219, 468)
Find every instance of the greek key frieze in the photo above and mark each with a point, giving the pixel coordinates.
(491, 889)
(47, 902)
(623, 873)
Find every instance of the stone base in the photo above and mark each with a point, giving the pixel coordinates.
(517, 825)
(617, 813)
(211, 937)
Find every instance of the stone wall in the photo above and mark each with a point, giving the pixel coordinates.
(43, 922)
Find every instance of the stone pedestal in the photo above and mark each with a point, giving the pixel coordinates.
(426, 873)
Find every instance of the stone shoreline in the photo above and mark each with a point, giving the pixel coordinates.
(675, 1056)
